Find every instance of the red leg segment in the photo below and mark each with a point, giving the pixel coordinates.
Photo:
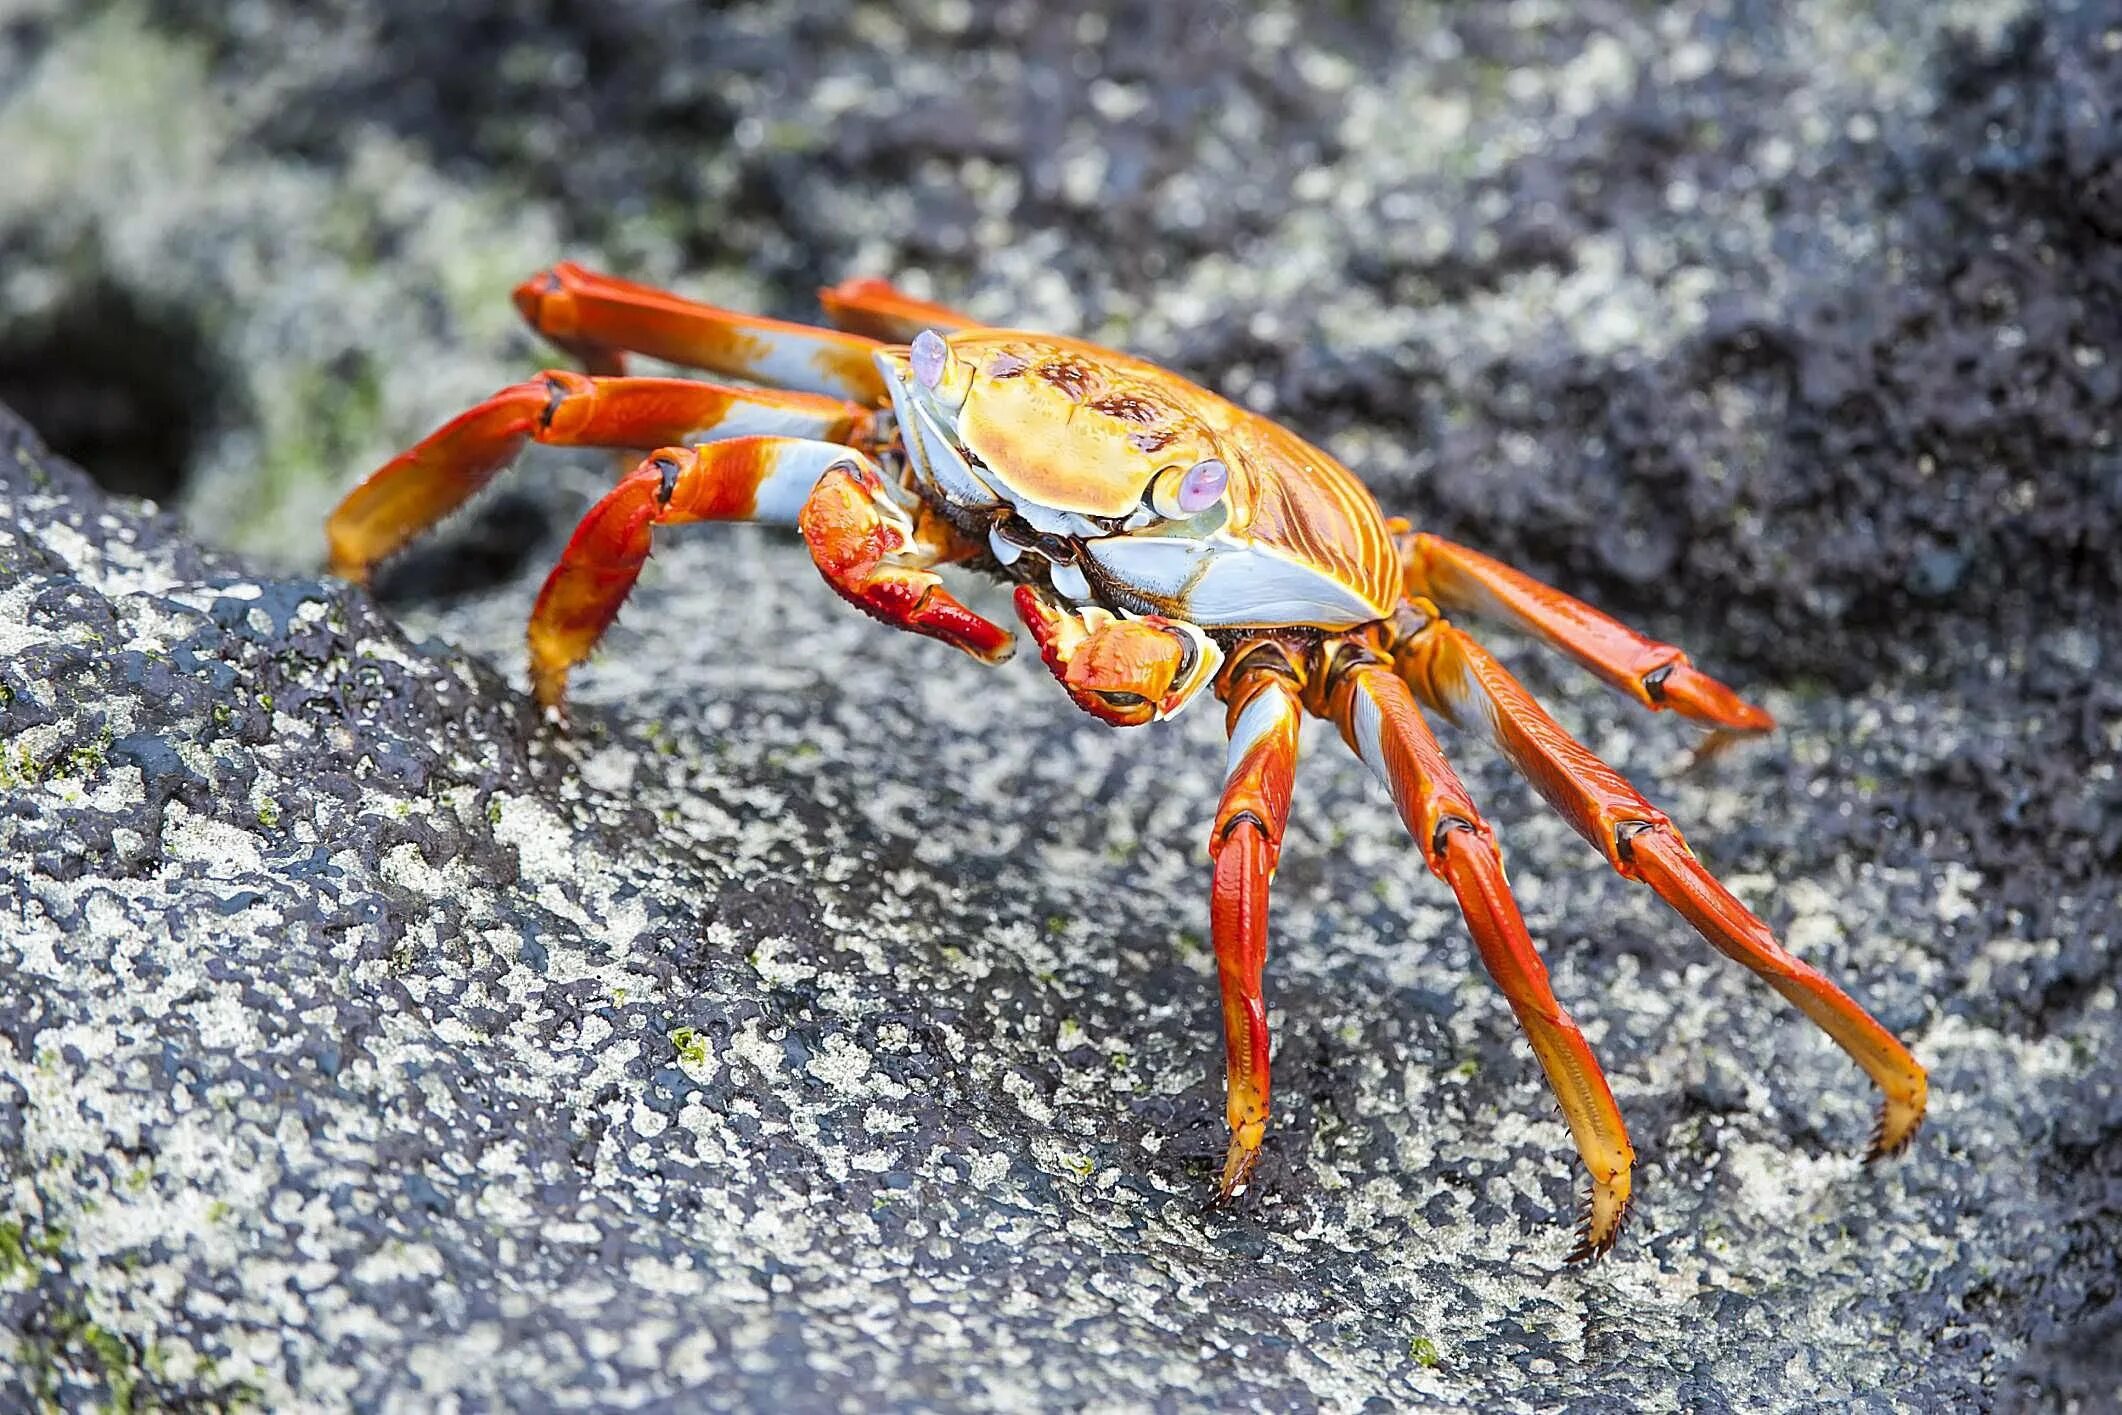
(873, 307)
(1656, 675)
(435, 476)
(876, 556)
(1245, 844)
(1379, 719)
(600, 317)
(1458, 678)
(743, 479)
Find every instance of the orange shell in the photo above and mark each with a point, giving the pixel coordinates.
(1076, 427)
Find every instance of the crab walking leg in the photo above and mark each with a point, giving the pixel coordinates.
(1379, 719)
(880, 310)
(1244, 845)
(1124, 672)
(558, 408)
(1656, 675)
(600, 318)
(1458, 678)
(744, 479)
(876, 555)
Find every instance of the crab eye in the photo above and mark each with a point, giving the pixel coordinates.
(1202, 486)
(1181, 492)
(928, 355)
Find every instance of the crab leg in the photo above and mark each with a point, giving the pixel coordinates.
(1656, 675)
(881, 311)
(1458, 678)
(1378, 718)
(558, 408)
(600, 318)
(743, 479)
(1244, 845)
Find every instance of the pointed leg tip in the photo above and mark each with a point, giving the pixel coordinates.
(1748, 719)
(1606, 1210)
(1695, 695)
(549, 691)
(1901, 1113)
(1898, 1123)
(997, 653)
(1238, 1166)
(348, 564)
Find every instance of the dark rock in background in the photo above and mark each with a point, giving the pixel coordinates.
(826, 1014)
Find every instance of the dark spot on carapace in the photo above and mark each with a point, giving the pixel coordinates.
(1152, 440)
(1007, 365)
(1129, 408)
(1067, 375)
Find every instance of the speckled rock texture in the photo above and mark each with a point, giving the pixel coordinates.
(825, 1022)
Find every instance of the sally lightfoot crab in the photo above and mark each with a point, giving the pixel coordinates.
(1164, 543)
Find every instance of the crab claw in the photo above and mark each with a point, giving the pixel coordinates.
(1126, 672)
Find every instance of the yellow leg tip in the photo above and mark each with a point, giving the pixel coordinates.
(549, 687)
(349, 564)
(1900, 1117)
(1605, 1214)
(1243, 1156)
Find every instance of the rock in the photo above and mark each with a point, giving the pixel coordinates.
(823, 1027)
(824, 1015)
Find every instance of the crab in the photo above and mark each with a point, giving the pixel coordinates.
(1164, 544)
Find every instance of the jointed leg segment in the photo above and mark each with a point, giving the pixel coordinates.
(1458, 678)
(866, 546)
(744, 479)
(600, 318)
(1380, 721)
(877, 309)
(1656, 675)
(1264, 719)
(558, 408)
(781, 449)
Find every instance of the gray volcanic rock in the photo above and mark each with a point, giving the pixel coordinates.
(825, 1021)
(800, 1031)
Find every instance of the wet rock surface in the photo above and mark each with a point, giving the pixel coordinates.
(824, 1013)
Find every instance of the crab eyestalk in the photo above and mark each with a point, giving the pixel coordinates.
(942, 375)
